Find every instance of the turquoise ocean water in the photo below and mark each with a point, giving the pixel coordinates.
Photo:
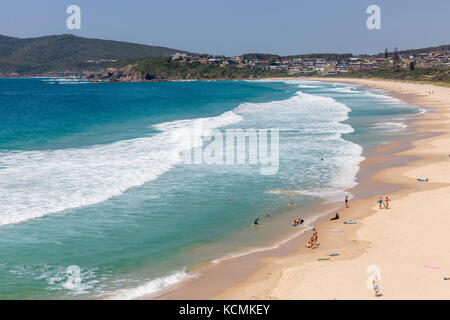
(93, 203)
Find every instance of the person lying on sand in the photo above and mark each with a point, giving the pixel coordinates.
(336, 217)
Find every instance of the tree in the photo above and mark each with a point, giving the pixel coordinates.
(412, 66)
(396, 58)
(386, 53)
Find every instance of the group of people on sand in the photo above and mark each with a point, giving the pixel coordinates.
(384, 203)
(298, 221)
(312, 243)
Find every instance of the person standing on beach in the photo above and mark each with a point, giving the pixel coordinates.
(380, 203)
(346, 201)
(386, 202)
(314, 238)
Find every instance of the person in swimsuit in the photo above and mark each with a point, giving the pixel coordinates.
(346, 201)
(380, 203)
(386, 202)
(229, 201)
(290, 204)
(336, 217)
(314, 238)
(376, 287)
(256, 222)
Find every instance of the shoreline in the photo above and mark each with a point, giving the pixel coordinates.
(229, 275)
(400, 241)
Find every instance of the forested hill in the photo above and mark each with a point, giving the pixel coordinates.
(68, 53)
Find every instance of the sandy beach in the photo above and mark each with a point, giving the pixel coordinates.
(406, 243)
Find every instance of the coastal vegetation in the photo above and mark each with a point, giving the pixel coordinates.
(168, 69)
(68, 53)
(437, 75)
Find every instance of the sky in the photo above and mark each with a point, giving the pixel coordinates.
(234, 27)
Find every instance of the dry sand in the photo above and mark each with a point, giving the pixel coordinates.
(400, 241)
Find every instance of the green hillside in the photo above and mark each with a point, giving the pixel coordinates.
(68, 53)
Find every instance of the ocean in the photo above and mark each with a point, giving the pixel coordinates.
(95, 202)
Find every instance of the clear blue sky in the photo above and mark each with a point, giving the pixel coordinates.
(234, 27)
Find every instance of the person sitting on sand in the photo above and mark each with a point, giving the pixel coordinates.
(386, 202)
(336, 217)
(376, 287)
(256, 222)
(380, 203)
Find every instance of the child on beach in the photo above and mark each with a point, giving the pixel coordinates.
(376, 287)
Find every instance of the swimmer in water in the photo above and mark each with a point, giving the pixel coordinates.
(229, 201)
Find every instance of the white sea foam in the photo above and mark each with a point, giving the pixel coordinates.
(316, 128)
(391, 126)
(38, 183)
(152, 287)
